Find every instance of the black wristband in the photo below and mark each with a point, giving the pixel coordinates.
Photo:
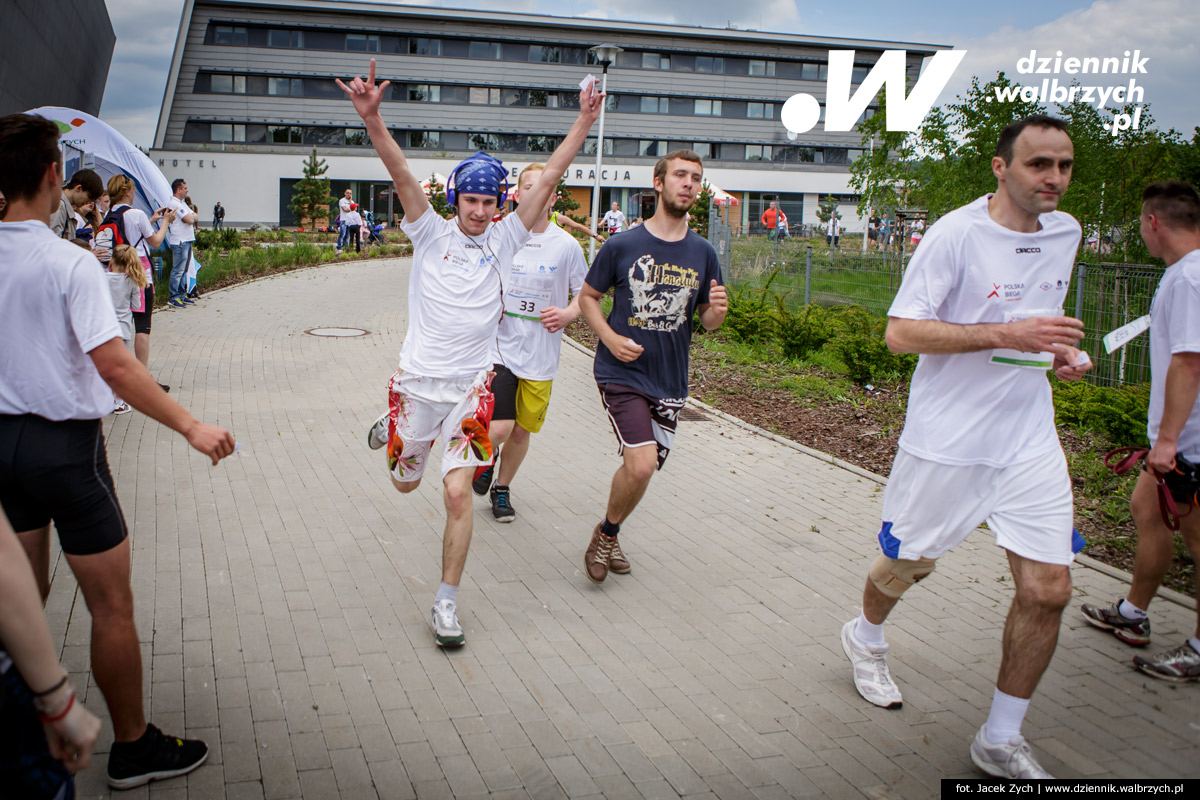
(62, 682)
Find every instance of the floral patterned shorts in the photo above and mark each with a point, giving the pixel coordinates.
(422, 408)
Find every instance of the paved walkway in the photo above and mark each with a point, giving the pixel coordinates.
(283, 601)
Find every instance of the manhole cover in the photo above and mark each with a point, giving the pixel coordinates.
(337, 332)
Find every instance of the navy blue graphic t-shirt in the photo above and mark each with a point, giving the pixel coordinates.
(656, 288)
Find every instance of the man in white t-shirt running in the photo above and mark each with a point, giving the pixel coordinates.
(614, 220)
(1171, 229)
(538, 282)
(55, 387)
(454, 305)
(344, 208)
(981, 302)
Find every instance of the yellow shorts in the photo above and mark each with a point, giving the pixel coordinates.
(519, 399)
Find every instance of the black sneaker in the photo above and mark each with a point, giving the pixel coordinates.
(1109, 618)
(154, 757)
(164, 387)
(483, 479)
(502, 510)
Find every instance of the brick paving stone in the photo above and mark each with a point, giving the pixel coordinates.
(282, 599)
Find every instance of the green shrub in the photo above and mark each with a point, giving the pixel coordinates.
(750, 317)
(800, 331)
(859, 342)
(224, 239)
(1117, 413)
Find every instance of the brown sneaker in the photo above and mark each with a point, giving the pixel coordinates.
(617, 562)
(595, 558)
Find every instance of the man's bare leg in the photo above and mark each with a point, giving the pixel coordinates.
(1155, 543)
(1031, 630)
(456, 541)
(36, 544)
(141, 348)
(630, 481)
(513, 455)
(116, 656)
(876, 604)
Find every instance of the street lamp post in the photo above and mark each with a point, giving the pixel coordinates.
(605, 55)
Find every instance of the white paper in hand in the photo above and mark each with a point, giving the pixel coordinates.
(587, 82)
(1082, 358)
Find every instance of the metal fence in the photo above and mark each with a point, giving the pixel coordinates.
(1105, 295)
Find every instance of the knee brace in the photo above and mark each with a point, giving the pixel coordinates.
(894, 576)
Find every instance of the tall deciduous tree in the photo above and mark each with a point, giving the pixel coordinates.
(310, 196)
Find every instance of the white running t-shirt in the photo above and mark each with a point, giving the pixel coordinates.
(1175, 328)
(55, 308)
(454, 300)
(344, 208)
(538, 277)
(963, 409)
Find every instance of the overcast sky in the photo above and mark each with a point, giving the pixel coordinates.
(995, 34)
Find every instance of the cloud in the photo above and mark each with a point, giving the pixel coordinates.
(769, 15)
(1106, 28)
(137, 78)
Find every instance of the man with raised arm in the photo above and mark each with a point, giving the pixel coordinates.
(455, 301)
(982, 303)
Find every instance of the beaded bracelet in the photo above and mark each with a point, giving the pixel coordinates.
(61, 714)
(53, 688)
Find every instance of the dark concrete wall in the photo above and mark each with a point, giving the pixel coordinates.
(54, 53)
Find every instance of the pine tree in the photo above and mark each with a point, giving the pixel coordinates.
(699, 211)
(437, 198)
(310, 195)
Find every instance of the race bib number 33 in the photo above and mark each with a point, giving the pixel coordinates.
(526, 302)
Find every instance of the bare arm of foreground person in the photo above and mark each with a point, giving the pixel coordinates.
(624, 348)
(1033, 335)
(26, 638)
(129, 379)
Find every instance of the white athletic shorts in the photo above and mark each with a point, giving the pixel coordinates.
(421, 408)
(928, 507)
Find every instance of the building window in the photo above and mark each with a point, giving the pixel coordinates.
(707, 108)
(539, 98)
(762, 68)
(813, 72)
(480, 95)
(545, 53)
(710, 64)
(545, 144)
(424, 93)
(325, 136)
(227, 34)
(362, 43)
(656, 61)
(656, 105)
(225, 132)
(229, 84)
(484, 141)
(758, 152)
(425, 139)
(285, 87)
(859, 74)
(652, 148)
(357, 137)
(424, 47)
(282, 37)
(485, 50)
(760, 110)
(283, 134)
(837, 155)
(589, 146)
(704, 149)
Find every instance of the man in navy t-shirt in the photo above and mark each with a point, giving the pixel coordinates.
(661, 273)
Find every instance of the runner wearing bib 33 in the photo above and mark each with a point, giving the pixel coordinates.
(537, 283)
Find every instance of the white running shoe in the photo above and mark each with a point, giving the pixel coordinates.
(446, 630)
(123, 408)
(377, 436)
(871, 676)
(1013, 760)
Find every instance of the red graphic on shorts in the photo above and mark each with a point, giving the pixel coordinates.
(995, 292)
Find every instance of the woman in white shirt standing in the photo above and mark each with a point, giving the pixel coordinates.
(138, 231)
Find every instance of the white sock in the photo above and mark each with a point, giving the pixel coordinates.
(446, 592)
(869, 633)
(1005, 719)
(1195, 643)
(1129, 611)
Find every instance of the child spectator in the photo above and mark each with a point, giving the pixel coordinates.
(354, 223)
(126, 280)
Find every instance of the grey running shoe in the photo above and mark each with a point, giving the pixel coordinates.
(872, 677)
(1178, 666)
(1109, 618)
(377, 436)
(1012, 760)
(446, 630)
(502, 509)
